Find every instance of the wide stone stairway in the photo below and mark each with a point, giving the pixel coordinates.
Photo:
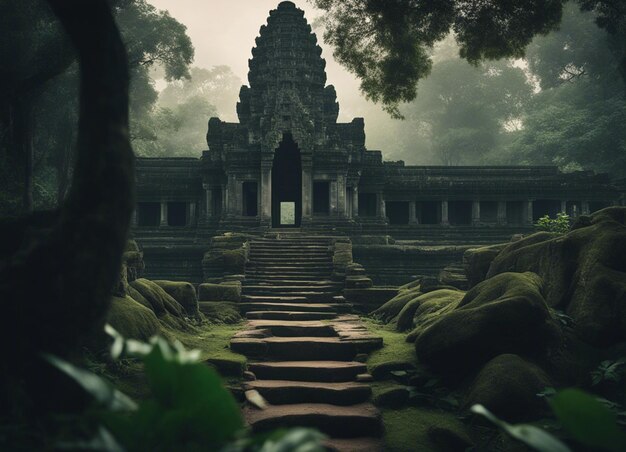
(305, 349)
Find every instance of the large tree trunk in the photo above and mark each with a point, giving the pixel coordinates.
(57, 271)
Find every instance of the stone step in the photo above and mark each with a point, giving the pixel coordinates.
(271, 281)
(263, 298)
(337, 421)
(285, 328)
(290, 315)
(310, 274)
(297, 307)
(354, 444)
(295, 348)
(311, 296)
(288, 260)
(324, 371)
(288, 265)
(280, 392)
(261, 288)
(294, 251)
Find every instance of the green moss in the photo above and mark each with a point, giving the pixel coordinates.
(132, 319)
(439, 298)
(432, 307)
(220, 312)
(213, 341)
(184, 293)
(162, 303)
(219, 292)
(392, 308)
(406, 429)
(395, 348)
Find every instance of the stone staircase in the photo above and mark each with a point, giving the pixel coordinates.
(302, 344)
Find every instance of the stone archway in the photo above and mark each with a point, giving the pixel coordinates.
(287, 184)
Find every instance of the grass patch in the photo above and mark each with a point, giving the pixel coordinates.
(395, 348)
(406, 430)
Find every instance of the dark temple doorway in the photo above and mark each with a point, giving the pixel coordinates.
(287, 184)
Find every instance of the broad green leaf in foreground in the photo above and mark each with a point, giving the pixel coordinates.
(588, 420)
(530, 435)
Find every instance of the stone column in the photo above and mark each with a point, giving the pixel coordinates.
(307, 187)
(584, 207)
(564, 206)
(133, 218)
(208, 206)
(224, 199)
(333, 198)
(231, 195)
(529, 212)
(444, 213)
(341, 195)
(192, 213)
(383, 207)
(412, 213)
(501, 218)
(163, 213)
(266, 190)
(238, 208)
(355, 201)
(475, 213)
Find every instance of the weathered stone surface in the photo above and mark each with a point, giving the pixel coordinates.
(431, 308)
(161, 302)
(308, 370)
(508, 386)
(383, 370)
(220, 312)
(280, 392)
(584, 273)
(372, 297)
(504, 314)
(219, 292)
(476, 262)
(454, 275)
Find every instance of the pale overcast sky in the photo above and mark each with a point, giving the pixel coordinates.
(223, 33)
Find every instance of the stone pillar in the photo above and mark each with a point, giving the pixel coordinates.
(355, 201)
(584, 208)
(231, 195)
(163, 213)
(224, 199)
(341, 195)
(475, 213)
(238, 208)
(444, 213)
(307, 187)
(266, 190)
(502, 220)
(333, 197)
(383, 207)
(133, 218)
(412, 213)
(564, 206)
(208, 206)
(192, 213)
(529, 212)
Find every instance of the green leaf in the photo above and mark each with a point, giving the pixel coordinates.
(296, 440)
(106, 395)
(588, 420)
(530, 435)
(398, 373)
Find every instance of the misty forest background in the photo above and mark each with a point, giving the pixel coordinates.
(563, 104)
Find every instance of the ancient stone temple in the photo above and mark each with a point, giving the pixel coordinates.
(288, 163)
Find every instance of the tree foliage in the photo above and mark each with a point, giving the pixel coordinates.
(386, 44)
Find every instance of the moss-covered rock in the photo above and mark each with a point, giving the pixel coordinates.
(184, 293)
(443, 297)
(504, 314)
(131, 319)
(392, 308)
(392, 397)
(220, 312)
(219, 292)
(476, 262)
(508, 386)
(584, 273)
(161, 302)
(433, 307)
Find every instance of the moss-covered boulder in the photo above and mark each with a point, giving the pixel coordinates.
(131, 319)
(227, 255)
(392, 308)
(184, 293)
(160, 301)
(219, 292)
(220, 312)
(584, 273)
(476, 262)
(427, 304)
(508, 386)
(504, 314)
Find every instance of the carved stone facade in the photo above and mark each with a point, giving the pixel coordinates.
(288, 162)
